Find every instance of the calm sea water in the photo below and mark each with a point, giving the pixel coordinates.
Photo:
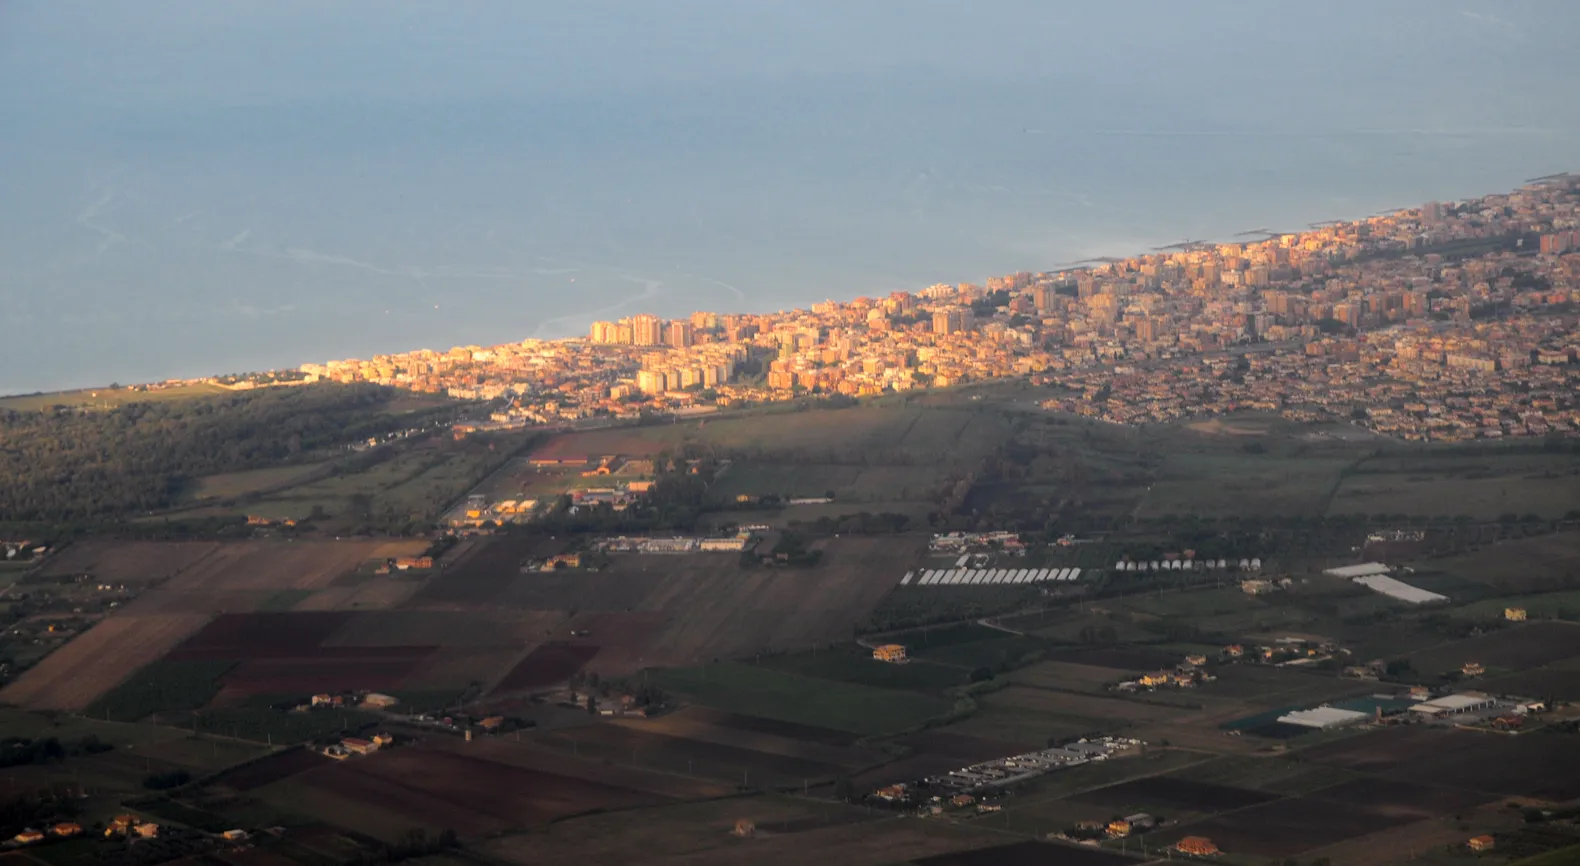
(193, 188)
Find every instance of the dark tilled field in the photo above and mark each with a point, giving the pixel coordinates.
(485, 571)
(1560, 683)
(1119, 659)
(1405, 798)
(1527, 646)
(547, 665)
(428, 787)
(326, 672)
(678, 754)
(584, 590)
(1029, 854)
(261, 635)
(1285, 828)
(271, 769)
(1538, 765)
(760, 725)
(963, 748)
(1167, 792)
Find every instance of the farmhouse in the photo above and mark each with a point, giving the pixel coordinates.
(1515, 614)
(66, 830)
(891, 792)
(1481, 843)
(28, 837)
(1199, 846)
(1472, 669)
(359, 746)
(890, 652)
(406, 563)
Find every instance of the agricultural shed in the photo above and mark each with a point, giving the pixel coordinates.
(1323, 717)
(1398, 589)
(1362, 570)
(1447, 704)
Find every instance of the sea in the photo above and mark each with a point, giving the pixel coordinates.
(194, 188)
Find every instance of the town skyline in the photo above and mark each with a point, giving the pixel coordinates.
(1423, 304)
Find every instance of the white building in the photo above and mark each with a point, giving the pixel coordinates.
(1323, 717)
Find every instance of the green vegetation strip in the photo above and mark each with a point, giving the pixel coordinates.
(757, 691)
(1562, 857)
(162, 687)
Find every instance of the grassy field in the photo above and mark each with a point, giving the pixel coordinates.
(1241, 484)
(1524, 565)
(233, 484)
(855, 664)
(850, 484)
(413, 483)
(1032, 718)
(1547, 605)
(106, 398)
(889, 433)
(757, 691)
(1451, 483)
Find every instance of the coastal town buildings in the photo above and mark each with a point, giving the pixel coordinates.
(1447, 322)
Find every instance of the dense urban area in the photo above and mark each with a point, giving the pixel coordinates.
(1446, 322)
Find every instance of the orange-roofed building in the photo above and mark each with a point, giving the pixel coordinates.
(1200, 846)
(891, 652)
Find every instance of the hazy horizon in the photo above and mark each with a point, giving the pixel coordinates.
(197, 188)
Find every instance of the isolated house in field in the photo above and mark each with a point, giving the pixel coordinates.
(889, 652)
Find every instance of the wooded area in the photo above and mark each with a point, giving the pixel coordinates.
(68, 465)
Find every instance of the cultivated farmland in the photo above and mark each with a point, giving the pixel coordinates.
(473, 791)
(790, 832)
(1526, 646)
(750, 690)
(128, 561)
(77, 674)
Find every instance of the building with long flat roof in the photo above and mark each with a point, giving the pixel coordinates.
(1362, 570)
(1452, 704)
(1323, 717)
